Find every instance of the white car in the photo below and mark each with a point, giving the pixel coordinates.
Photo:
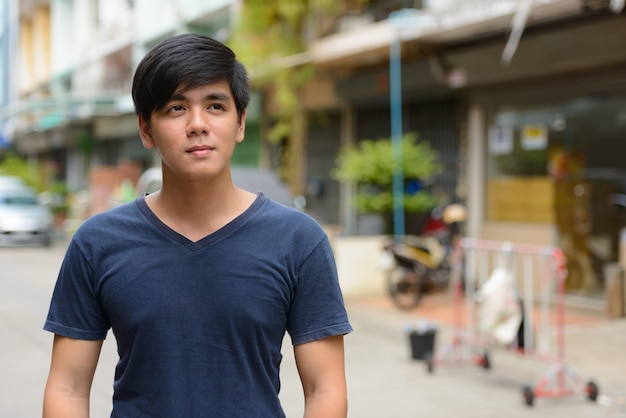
(23, 219)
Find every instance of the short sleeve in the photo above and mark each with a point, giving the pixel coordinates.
(75, 309)
(317, 310)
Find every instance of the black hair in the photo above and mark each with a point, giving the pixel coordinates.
(184, 62)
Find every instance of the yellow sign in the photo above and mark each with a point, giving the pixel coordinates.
(534, 137)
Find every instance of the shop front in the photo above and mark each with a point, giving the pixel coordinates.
(547, 144)
(562, 164)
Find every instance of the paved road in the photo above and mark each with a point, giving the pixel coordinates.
(383, 380)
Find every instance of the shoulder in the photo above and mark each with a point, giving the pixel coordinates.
(112, 222)
(289, 230)
(127, 210)
(288, 218)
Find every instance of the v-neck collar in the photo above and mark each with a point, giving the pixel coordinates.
(209, 239)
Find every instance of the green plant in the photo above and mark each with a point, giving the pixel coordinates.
(268, 32)
(265, 33)
(59, 197)
(370, 165)
(12, 164)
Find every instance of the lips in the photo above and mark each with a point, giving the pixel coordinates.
(200, 150)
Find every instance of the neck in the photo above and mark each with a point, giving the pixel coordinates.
(197, 209)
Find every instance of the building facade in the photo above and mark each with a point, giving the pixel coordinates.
(73, 114)
(524, 101)
(530, 129)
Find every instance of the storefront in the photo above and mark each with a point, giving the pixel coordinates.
(562, 164)
(510, 133)
(536, 146)
(548, 148)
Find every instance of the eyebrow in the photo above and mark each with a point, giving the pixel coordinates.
(211, 96)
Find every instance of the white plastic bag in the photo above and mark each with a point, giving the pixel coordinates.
(500, 312)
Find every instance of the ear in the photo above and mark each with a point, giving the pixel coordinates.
(145, 132)
(241, 129)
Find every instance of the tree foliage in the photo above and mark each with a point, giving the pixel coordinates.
(266, 32)
(12, 164)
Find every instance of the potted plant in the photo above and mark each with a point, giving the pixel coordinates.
(370, 165)
(59, 205)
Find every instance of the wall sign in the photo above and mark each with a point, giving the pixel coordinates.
(500, 140)
(534, 137)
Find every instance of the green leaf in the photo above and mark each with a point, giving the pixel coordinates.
(370, 165)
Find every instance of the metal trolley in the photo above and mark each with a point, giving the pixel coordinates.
(527, 283)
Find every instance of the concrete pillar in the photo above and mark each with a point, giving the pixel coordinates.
(348, 213)
(476, 171)
(622, 248)
(622, 261)
(614, 290)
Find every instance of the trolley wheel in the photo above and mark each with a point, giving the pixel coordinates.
(529, 395)
(592, 391)
(404, 289)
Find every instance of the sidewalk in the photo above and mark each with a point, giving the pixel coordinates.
(593, 348)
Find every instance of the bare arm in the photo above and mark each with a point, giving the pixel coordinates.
(322, 372)
(72, 370)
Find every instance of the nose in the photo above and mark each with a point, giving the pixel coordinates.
(198, 122)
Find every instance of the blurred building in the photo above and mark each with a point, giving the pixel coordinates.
(7, 45)
(524, 100)
(74, 113)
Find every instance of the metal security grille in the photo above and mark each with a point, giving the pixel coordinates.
(322, 147)
(438, 123)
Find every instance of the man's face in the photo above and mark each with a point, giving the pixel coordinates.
(195, 132)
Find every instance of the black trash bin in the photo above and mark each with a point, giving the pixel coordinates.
(422, 344)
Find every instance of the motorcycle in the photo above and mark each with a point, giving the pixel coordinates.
(422, 264)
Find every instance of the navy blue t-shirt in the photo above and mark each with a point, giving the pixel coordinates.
(199, 325)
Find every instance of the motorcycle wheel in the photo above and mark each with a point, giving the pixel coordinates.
(404, 287)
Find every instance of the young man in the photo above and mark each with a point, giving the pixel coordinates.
(199, 281)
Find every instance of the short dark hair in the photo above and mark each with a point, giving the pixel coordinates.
(181, 63)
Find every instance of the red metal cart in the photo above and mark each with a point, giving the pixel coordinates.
(535, 277)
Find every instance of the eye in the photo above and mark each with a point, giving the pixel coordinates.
(216, 106)
(177, 108)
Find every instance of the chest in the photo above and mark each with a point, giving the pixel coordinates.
(210, 291)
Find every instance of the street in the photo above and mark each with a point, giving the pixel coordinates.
(383, 381)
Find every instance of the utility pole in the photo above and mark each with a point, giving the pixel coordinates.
(395, 92)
